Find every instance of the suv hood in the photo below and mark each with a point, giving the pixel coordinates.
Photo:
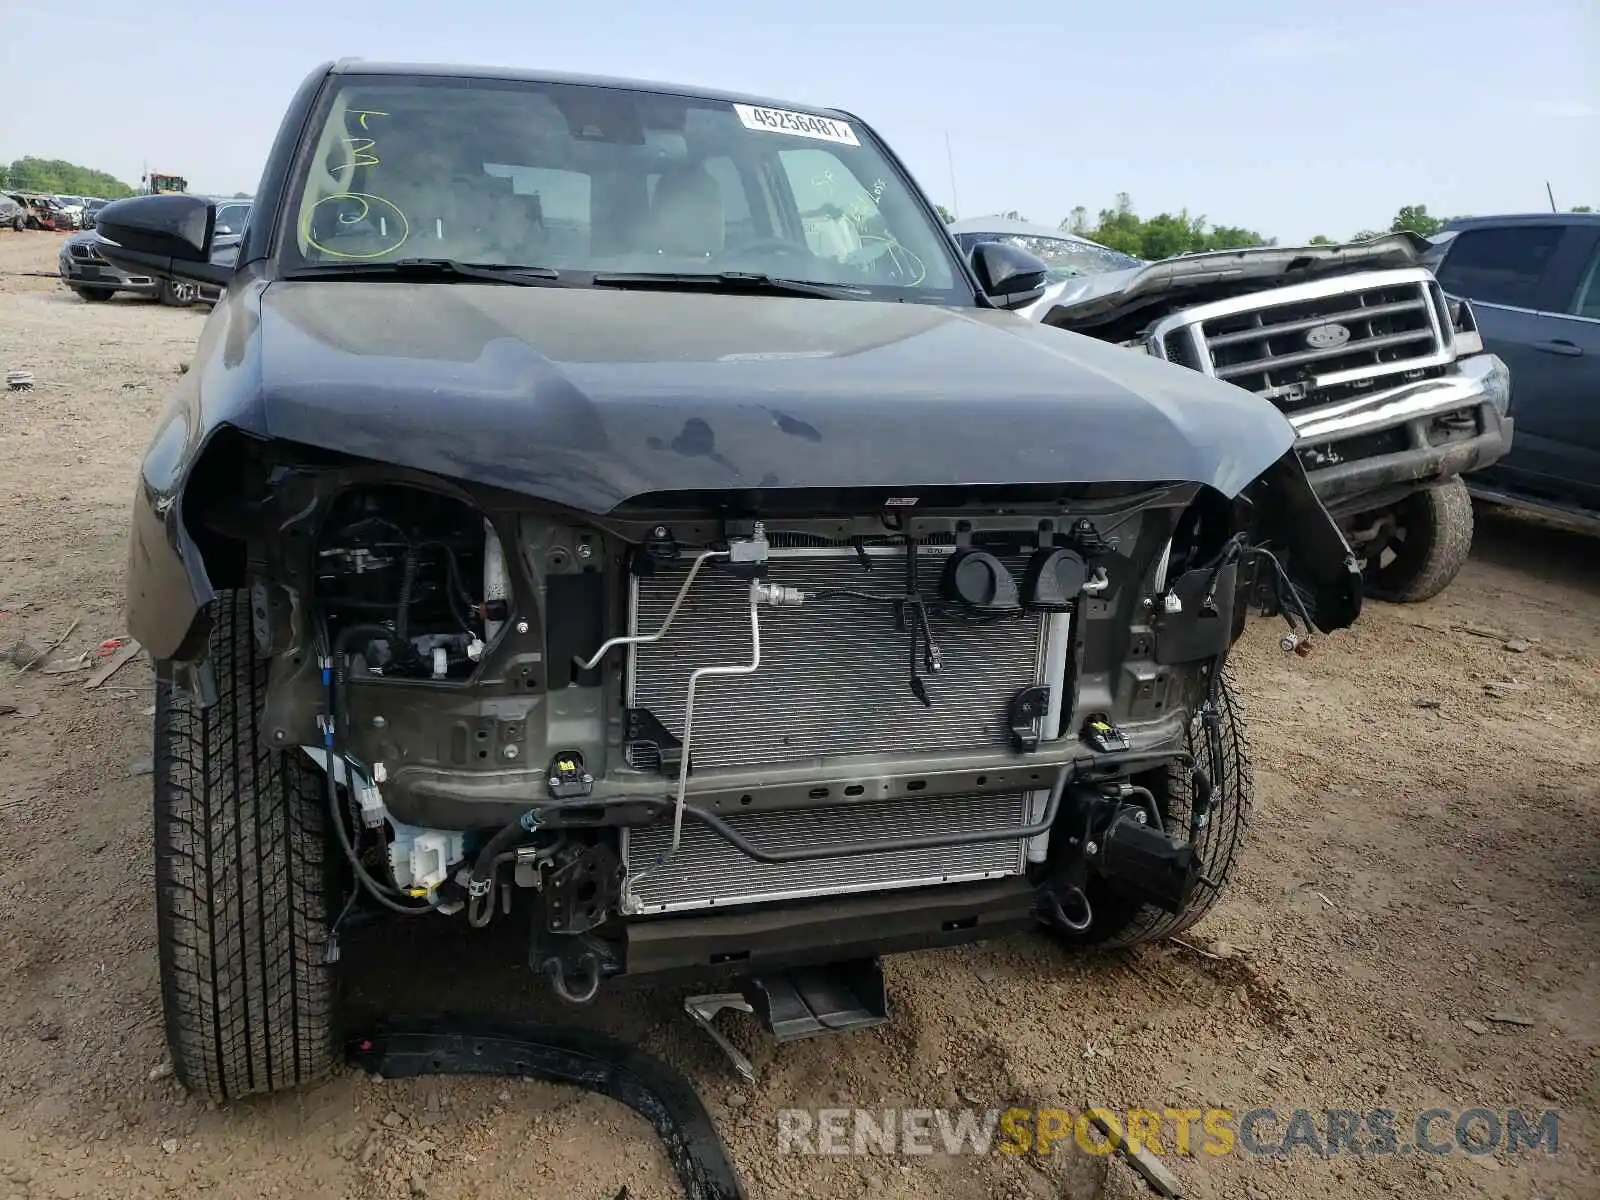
(1075, 302)
(590, 397)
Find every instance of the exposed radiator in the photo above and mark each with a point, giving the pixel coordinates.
(835, 673)
(708, 872)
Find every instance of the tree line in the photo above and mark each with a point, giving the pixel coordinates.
(55, 176)
(1167, 234)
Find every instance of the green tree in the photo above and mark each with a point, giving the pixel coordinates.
(945, 214)
(1161, 236)
(1415, 218)
(1120, 227)
(1322, 239)
(1583, 208)
(1232, 237)
(55, 175)
(1077, 222)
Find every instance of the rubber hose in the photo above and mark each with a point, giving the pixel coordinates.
(483, 866)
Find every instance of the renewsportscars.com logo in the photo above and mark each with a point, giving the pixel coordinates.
(1257, 1132)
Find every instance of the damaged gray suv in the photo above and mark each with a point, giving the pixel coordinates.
(618, 509)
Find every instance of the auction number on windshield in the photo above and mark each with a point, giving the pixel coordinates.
(778, 120)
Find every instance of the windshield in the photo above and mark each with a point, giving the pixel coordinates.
(1065, 258)
(585, 178)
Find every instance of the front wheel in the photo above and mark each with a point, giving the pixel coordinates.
(242, 884)
(1219, 749)
(1427, 547)
(176, 294)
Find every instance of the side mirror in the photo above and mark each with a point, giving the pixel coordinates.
(1009, 276)
(169, 235)
(174, 225)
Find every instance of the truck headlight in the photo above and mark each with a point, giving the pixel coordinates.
(1494, 377)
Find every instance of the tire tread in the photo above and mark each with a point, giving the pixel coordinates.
(241, 885)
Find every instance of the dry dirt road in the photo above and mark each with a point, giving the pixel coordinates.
(1426, 851)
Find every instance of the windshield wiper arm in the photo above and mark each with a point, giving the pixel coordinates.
(725, 281)
(443, 269)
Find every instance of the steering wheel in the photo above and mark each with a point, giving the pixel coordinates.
(885, 258)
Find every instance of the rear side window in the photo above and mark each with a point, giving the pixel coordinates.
(1587, 302)
(1500, 266)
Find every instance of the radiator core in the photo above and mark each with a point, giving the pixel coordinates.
(834, 682)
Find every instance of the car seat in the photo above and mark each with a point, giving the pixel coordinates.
(686, 213)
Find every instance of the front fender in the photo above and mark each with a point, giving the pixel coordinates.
(1296, 527)
(169, 583)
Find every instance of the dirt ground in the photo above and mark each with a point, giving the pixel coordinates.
(1424, 854)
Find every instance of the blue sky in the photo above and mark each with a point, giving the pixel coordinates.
(1292, 119)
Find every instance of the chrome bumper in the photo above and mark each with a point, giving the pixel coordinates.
(1480, 379)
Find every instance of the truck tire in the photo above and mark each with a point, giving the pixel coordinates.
(94, 294)
(1433, 540)
(1119, 922)
(243, 884)
(18, 224)
(175, 294)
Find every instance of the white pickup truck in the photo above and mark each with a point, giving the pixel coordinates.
(1383, 376)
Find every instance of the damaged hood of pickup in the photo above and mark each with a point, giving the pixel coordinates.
(1090, 299)
(591, 398)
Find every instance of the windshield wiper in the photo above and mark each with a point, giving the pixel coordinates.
(441, 269)
(726, 281)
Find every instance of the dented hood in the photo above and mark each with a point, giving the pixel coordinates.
(590, 398)
(1092, 298)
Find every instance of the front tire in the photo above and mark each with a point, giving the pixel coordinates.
(1431, 543)
(1225, 758)
(242, 884)
(175, 294)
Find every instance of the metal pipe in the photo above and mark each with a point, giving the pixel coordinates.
(1148, 801)
(636, 639)
(688, 710)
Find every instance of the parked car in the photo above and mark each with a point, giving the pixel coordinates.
(41, 212)
(1390, 391)
(71, 208)
(91, 277)
(91, 207)
(618, 507)
(1534, 283)
(13, 213)
(85, 270)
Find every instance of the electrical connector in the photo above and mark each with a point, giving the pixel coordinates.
(370, 800)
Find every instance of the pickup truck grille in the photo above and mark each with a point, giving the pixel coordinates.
(1307, 344)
